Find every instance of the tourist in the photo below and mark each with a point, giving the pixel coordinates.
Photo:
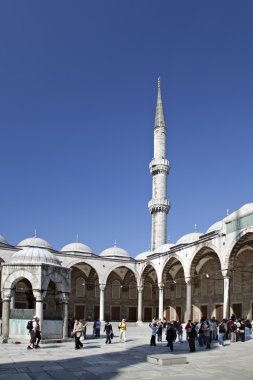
(32, 332)
(171, 335)
(154, 329)
(37, 333)
(109, 332)
(179, 329)
(222, 329)
(207, 334)
(200, 332)
(122, 330)
(159, 331)
(241, 331)
(247, 329)
(97, 326)
(192, 333)
(78, 330)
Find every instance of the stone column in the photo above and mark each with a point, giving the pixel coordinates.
(12, 300)
(161, 311)
(102, 303)
(65, 299)
(188, 309)
(226, 300)
(39, 305)
(140, 290)
(5, 316)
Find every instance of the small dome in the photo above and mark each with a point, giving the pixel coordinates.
(164, 248)
(114, 252)
(35, 255)
(189, 238)
(143, 255)
(3, 240)
(215, 227)
(34, 242)
(76, 247)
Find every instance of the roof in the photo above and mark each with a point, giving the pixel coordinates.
(189, 238)
(114, 252)
(34, 242)
(3, 240)
(35, 255)
(76, 247)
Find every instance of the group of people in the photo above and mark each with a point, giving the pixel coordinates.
(35, 333)
(204, 332)
(79, 327)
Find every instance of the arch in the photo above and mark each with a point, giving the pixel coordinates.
(14, 277)
(116, 266)
(200, 257)
(240, 240)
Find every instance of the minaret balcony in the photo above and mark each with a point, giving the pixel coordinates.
(159, 204)
(159, 165)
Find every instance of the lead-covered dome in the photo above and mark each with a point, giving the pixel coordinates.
(115, 252)
(189, 238)
(143, 255)
(76, 248)
(215, 227)
(35, 255)
(164, 248)
(34, 242)
(3, 240)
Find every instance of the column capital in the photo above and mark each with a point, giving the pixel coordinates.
(140, 288)
(63, 297)
(161, 286)
(188, 281)
(102, 287)
(226, 273)
(6, 295)
(38, 294)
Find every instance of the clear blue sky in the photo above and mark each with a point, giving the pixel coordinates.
(78, 87)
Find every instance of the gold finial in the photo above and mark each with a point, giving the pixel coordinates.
(159, 82)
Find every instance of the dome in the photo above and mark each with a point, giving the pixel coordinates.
(34, 242)
(3, 240)
(114, 252)
(189, 238)
(35, 255)
(76, 247)
(215, 227)
(164, 248)
(143, 255)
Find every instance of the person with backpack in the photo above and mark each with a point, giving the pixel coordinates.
(171, 335)
(192, 333)
(31, 326)
(109, 332)
(222, 329)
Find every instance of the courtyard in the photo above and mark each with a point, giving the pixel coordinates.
(100, 361)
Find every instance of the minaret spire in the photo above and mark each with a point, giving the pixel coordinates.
(159, 169)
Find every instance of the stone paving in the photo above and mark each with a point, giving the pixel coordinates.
(123, 361)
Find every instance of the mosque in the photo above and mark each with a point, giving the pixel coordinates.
(202, 274)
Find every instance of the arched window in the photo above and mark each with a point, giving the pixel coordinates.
(116, 290)
(80, 287)
(132, 290)
(147, 293)
(97, 290)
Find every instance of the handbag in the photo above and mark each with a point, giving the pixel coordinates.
(111, 335)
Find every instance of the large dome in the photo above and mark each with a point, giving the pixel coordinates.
(76, 247)
(114, 252)
(34, 242)
(245, 210)
(35, 255)
(189, 238)
(3, 240)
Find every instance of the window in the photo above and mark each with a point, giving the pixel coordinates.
(80, 287)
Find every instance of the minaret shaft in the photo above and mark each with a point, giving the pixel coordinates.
(159, 169)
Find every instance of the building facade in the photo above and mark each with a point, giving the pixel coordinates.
(202, 274)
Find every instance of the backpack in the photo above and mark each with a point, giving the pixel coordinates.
(222, 328)
(29, 325)
(234, 327)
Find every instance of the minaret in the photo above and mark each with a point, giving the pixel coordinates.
(159, 168)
